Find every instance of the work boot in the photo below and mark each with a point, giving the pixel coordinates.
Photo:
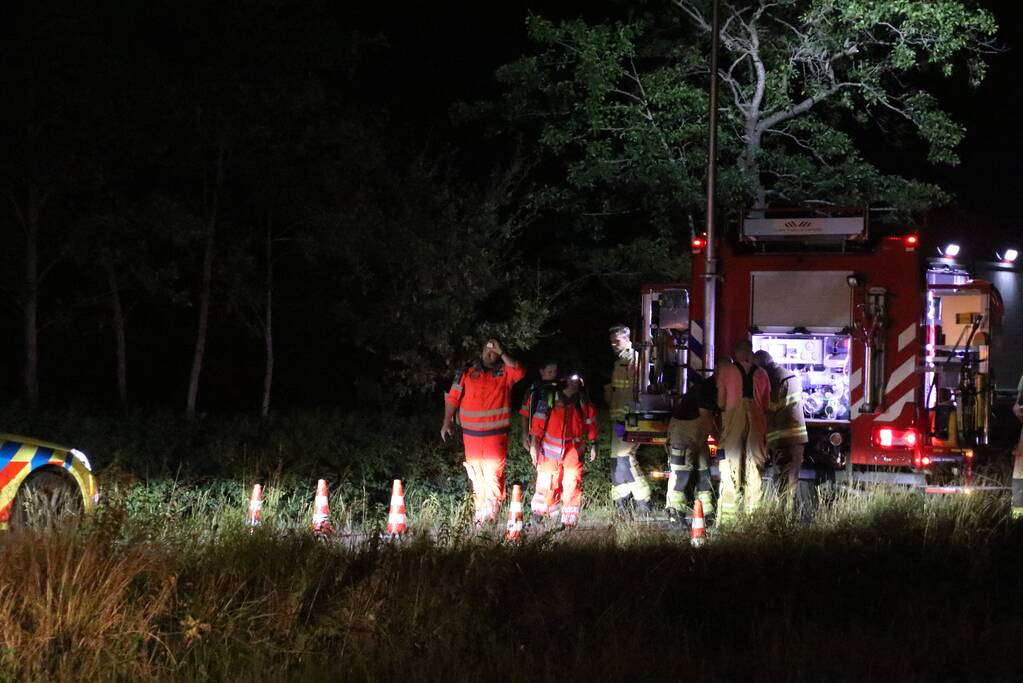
(622, 508)
(672, 514)
(643, 509)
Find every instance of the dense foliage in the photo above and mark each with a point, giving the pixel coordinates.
(236, 206)
(622, 103)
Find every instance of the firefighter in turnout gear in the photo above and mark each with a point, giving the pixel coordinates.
(560, 433)
(626, 478)
(481, 395)
(744, 392)
(786, 424)
(688, 454)
(540, 390)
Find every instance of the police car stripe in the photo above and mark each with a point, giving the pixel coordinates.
(42, 457)
(9, 472)
(7, 451)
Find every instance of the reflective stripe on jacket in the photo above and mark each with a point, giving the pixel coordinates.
(786, 424)
(622, 377)
(567, 426)
(483, 398)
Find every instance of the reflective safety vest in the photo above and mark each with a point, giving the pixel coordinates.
(483, 398)
(564, 427)
(622, 377)
(539, 392)
(786, 424)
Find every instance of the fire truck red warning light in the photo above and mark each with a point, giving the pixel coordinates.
(888, 437)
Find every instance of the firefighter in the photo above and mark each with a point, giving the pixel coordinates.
(626, 478)
(540, 390)
(560, 435)
(743, 394)
(688, 454)
(1017, 467)
(786, 425)
(481, 394)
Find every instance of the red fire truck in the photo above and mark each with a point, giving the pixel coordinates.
(892, 348)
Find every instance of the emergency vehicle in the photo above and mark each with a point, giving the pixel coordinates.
(41, 482)
(892, 348)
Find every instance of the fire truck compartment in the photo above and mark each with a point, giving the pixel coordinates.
(821, 362)
(816, 300)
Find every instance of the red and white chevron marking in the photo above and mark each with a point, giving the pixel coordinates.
(900, 387)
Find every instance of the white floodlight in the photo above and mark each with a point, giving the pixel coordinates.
(951, 250)
(1010, 255)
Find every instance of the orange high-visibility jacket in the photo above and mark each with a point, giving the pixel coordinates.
(483, 398)
(565, 427)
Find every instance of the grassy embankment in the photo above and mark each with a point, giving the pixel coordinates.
(164, 582)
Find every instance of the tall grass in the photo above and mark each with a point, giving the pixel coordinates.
(888, 587)
(164, 582)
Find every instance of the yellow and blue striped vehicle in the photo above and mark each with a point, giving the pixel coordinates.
(41, 482)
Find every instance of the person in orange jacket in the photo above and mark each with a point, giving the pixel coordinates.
(540, 390)
(560, 433)
(481, 395)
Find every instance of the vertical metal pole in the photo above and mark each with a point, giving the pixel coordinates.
(710, 273)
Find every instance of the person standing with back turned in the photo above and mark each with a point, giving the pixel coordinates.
(744, 391)
(786, 425)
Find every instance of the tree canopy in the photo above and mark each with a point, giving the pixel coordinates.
(810, 91)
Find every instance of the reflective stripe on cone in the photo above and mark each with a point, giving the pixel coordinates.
(255, 508)
(515, 515)
(698, 528)
(321, 510)
(396, 515)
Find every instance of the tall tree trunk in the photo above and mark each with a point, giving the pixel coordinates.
(268, 330)
(203, 323)
(749, 163)
(205, 288)
(31, 300)
(119, 335)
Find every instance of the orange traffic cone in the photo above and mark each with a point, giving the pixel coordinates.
(515, 515)
(396, 515)
(698, 526)
(255, 508)
(321, 510)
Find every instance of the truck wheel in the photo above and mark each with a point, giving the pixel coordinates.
(46, 500)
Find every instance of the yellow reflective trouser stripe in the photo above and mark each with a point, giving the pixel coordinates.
(787, 433)
(707, 498)
(626, 479)
(621, 383)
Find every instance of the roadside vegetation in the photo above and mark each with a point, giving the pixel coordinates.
(165, 581)
(891, 586)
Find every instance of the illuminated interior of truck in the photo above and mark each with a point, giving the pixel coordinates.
(957, 377)
(821, 362)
